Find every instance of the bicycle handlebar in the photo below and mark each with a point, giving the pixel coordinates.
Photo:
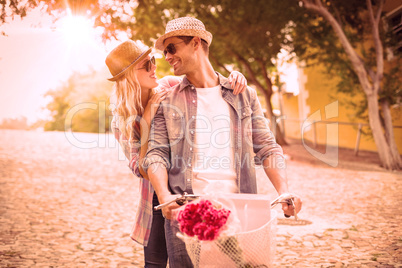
(185, 197)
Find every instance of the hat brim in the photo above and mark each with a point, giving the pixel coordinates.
(140, 58)
(207, 36)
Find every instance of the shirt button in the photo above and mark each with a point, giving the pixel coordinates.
(193, 101)
(192, 131)
(193, 117)
(174, 114)
(188, 180)
(189, 165)
(191, 148)
(244, 113)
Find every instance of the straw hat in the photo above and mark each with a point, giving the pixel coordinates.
(185, 26)
(125, 55)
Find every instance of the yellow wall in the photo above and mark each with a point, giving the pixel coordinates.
(321, 92)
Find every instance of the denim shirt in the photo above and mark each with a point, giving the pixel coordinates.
(172, 136)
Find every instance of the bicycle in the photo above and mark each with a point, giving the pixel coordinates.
(253, 244)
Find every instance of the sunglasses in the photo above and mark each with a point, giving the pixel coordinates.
(171, 49)
(148, 64)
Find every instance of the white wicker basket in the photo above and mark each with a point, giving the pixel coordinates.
(252, 246)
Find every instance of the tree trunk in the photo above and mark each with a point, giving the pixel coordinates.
(267, 93)
(280, 139)
(384, 149)
(385, 142)
(389, 132)
(275, 128)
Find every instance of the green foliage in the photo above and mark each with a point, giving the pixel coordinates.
(315, 42)
(392, 89)
(84, 100)
(163, 68)
(16, 8)
(59, 105)
(11, 8)
(247, 34)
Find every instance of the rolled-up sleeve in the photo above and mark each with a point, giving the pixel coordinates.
(131, 149)
(264, 143)
(158, 143)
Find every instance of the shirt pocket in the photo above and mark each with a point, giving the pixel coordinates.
(175, 125)
(245, 112)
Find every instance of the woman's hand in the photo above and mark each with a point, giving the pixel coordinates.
(158, 97)
(154, 101)
(238, 82)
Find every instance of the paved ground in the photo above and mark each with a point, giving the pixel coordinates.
(64, 206)
(355, 210)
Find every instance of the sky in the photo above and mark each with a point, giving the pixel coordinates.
(37, 55)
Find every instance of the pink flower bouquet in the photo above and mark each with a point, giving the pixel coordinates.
(206, 222)
(202, 220)
(232, 231)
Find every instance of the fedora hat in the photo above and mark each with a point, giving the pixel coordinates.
(185, 26)
(125, 55)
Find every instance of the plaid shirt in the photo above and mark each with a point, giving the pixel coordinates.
(142, 226)
(172, 137)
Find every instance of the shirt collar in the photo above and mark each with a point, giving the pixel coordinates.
(223, 81)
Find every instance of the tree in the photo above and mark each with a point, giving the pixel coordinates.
(11, 8)
(14, 123)
(83, 101)
(238, 41)
(337, 33)
(247, 38)
(58, 107)
(369, 73)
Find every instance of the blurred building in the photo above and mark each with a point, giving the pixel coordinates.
(314, 99)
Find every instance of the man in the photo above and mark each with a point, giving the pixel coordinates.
(204, 138)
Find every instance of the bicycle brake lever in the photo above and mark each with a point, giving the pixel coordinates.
(287, 199)
(180, 200)
(291, 203)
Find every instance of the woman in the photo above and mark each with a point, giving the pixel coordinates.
(137, 93)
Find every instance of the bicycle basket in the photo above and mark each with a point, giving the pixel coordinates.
(252, 246)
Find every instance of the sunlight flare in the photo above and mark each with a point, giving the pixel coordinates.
(77, 30)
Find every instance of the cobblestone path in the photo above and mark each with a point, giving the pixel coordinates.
(64, 206)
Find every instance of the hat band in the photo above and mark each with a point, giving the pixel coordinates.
(125, 68)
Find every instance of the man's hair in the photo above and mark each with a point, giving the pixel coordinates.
(204, 43)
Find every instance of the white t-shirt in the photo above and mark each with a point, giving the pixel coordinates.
(213, 167)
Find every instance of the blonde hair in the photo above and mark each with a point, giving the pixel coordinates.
(127, 94)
